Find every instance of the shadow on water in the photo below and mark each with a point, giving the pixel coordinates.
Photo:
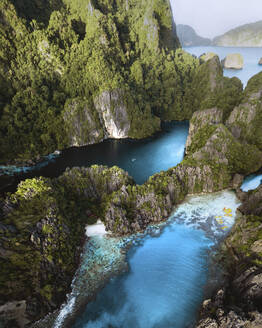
(140, 158)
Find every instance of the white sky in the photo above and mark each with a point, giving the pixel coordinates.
(210, 18)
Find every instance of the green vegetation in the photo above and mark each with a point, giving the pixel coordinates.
(210, 88)
(58, 56)
(43, 229)
(248, 35)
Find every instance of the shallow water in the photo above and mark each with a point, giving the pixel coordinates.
(251, 182)
(251, 58)
(169, 269)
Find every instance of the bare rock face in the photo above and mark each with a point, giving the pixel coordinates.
(260, 61)
(201, 118)
(113, 113)
(253, 202)
(82, 124)
(239, 303)
(14, 312)
(205, 57)
(245, 120)
(233, 61)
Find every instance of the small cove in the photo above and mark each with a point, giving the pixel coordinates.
(169, 267)
(140, 158)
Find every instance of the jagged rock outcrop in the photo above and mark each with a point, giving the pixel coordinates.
(233, 61)
(260, 61)
(203, 118)
(238, 303)
(41, 231)
(205, 57)
(252, 202)
(224, 149)
(245, 120)
(210, 88)
(82, 125)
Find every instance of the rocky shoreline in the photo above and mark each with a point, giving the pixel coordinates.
(43, 221)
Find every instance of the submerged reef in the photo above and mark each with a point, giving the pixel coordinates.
(73, 76)
(42, 223)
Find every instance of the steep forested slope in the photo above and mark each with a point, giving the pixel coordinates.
(248, 35)
(76, 72)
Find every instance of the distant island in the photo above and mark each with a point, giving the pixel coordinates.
(188, 37)
(248, 35)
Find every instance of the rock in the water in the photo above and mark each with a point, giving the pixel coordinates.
(233, 61)
(260, 61)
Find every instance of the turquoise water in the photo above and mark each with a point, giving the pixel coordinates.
(251, 58)
(155, 293)
(168, 270)
(12, 169)
(140, 158)
(251, 182)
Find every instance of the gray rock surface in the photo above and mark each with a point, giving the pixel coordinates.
(113, 112)
(83, 125)
(212, 116)
(245, 120)
(233, 61)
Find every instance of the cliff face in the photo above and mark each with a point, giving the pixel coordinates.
(76, 72)
(238, 303)
(248, 35)
(41, 232)
(189, 38)
(42, 223)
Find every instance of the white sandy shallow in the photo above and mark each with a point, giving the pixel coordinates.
(97, 229)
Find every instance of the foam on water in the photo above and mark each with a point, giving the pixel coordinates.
(102, 257)
(97, 229)
(12, 169)
(214, 213)
(251, 182)
(168, 269)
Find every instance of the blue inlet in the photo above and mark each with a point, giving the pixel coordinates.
(169, 269)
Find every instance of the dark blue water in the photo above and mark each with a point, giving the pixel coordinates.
(251, 58)
(168, 270)
(140, 158)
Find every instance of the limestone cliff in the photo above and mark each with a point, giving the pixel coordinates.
(41, 232)
(245, 120)
(73, 73)
(209, 88)
(42, 223)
